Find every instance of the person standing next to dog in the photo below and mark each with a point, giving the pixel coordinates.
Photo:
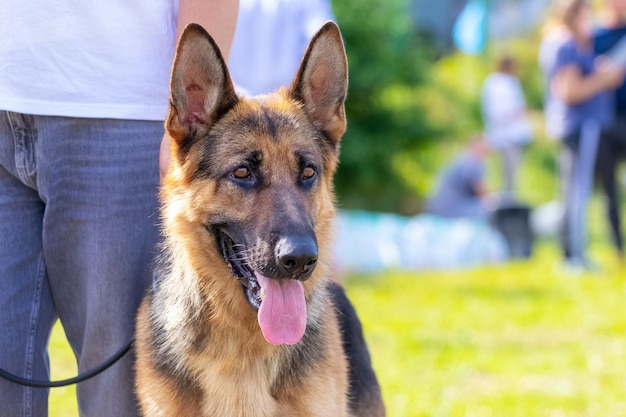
(578, 107)
(610, 31)
(507, 128)
(83, 95)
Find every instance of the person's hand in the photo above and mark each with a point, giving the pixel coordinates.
(611, 74)
(164, 156)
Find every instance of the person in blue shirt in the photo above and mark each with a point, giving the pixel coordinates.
(461, 191)
(578, 107)
(613, 142)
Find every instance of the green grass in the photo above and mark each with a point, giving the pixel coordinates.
(62, 401)
(516, 340)
(520, 339)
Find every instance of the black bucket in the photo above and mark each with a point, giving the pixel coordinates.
(513, 221)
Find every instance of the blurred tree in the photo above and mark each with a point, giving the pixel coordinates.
(386, 116)
(409, 110)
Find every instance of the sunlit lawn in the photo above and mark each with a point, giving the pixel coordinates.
(63, 365)
(515, 340)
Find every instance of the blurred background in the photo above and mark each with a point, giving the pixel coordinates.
(414, 97)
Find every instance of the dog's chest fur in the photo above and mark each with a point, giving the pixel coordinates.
(228, 369)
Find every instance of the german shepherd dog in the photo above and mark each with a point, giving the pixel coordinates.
(243, 320)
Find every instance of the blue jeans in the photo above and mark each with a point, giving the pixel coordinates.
(578, 158)
(78, 228)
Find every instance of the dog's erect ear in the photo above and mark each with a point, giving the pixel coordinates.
(201, 90)
(321, 82)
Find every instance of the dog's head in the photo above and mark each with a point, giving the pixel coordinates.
(250, 179)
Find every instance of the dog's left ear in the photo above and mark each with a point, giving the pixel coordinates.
(201, 90)
(321, 82)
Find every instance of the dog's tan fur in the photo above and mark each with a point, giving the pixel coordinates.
(200, 351)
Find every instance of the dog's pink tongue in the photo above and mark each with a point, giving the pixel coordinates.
(282, 315)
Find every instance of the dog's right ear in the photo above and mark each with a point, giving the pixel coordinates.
(201, 90)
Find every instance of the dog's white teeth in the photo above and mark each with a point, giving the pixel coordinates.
(262, 293)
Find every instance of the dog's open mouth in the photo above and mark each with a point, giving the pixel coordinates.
(280, 304)
(236, 259)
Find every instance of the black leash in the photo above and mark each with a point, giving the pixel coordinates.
(80, 378)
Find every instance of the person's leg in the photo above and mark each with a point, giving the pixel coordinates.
(510, 156)
(582, 188)
(606, 166)
(26, 308)
(100, 181)
(567, 159)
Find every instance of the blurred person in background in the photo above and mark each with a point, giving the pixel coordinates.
(83, 96)
(578, 107)
(507, 128)
(461, 190)
(610, 30)
(270, 39)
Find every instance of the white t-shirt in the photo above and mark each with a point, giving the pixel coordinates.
(504, 111)
(270, 39)
(100, 59)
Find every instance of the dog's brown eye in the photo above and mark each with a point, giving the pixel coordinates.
(241, 173)
(308, 172)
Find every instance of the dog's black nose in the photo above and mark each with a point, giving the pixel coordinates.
(297, 256)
